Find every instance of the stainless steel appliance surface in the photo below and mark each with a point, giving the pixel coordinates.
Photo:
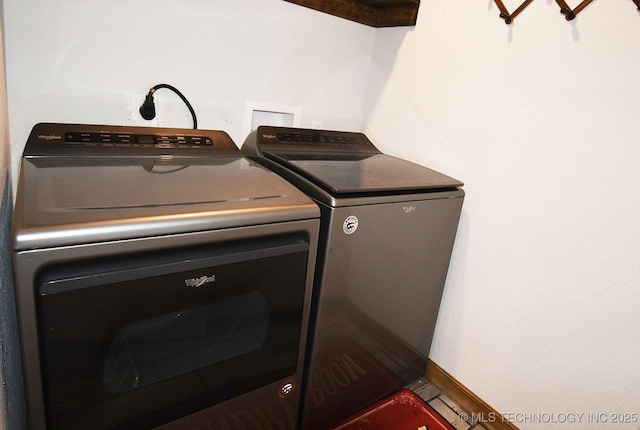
(387, 232)
(163, 280)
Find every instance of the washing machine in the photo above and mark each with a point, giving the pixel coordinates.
(387, 232)
(163, 281)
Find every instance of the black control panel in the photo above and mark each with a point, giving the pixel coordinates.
(270, 139)
(108, 139)
(48, 139)
(317, 138)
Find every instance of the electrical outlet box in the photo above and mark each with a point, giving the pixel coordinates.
(257, 114)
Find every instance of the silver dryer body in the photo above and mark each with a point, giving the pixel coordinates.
(127, 240)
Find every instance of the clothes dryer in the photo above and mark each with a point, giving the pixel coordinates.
(163, 281)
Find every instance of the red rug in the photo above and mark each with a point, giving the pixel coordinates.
(402, 411)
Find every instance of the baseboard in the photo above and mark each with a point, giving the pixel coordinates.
(477, 408)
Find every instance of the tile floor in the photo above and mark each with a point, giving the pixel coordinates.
(442, 404)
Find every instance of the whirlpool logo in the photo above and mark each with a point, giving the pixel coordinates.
(199, 282)
(49, 137)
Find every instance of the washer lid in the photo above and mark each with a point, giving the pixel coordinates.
(343, 162)
(376, 173)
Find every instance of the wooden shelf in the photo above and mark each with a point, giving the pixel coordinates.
(375, 13)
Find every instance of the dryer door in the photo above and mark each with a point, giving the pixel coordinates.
(136, 341)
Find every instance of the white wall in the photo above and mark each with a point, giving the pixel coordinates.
(93, 62)
(11, 409)
(540, 120)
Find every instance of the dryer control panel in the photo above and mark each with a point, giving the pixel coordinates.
(77, 140)
(110, 139)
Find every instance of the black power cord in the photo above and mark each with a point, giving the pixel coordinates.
(148, 108)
